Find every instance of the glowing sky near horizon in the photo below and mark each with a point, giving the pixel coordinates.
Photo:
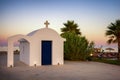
(24, 16)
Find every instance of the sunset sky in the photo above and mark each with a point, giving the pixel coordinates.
(24, 16)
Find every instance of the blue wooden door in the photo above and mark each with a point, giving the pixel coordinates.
(46, 52)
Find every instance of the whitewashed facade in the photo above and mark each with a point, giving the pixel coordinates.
(31, 50)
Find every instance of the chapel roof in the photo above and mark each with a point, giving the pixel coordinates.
(42, 29)
(32, 33)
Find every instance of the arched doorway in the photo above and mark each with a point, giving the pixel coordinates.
(24, 53)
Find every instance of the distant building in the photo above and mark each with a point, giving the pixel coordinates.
(97, 50)
(3, 48)
(6, 48)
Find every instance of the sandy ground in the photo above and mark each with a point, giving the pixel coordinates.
(71, 70)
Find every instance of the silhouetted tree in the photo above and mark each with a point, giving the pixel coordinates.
(76, 47)
(70, 26)
(114, 34)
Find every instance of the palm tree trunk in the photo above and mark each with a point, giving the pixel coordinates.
(119, 48)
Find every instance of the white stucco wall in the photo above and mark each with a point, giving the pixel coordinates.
(57, 46)
(24, 52)
(35, 53)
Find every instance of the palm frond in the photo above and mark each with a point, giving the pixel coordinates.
(109, 32)
(113, 31)
(70, 26)
(109, 41)
(115, 41)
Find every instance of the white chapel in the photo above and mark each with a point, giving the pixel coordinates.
(40, 47)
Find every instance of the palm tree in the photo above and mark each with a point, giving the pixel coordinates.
(70, 26)
(114, 34)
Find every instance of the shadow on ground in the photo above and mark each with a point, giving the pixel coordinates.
(17, 62)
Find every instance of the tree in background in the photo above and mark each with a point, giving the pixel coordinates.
(76, 47)
(70, 26)
(114, 34)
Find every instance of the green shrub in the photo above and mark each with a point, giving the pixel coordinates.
(116, 62)
(75, 47)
